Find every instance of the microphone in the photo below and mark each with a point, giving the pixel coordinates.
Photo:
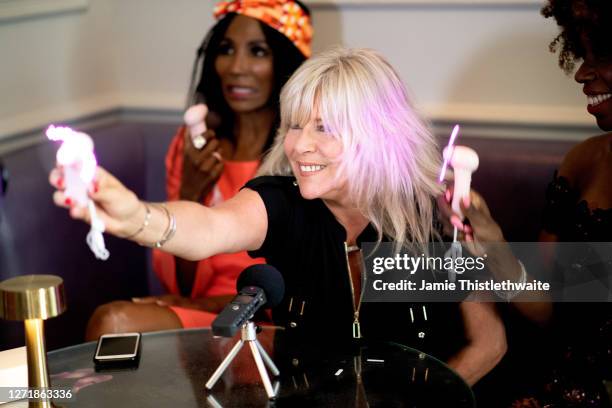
(258, 286)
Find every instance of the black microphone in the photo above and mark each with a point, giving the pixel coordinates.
(258, 286)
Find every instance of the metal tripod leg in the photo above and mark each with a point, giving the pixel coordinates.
(261, 357)
(262, 370)
(267, 359)
(224, 364)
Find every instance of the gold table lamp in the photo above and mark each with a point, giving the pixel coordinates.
(33, 298)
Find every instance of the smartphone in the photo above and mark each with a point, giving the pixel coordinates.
(120, 350)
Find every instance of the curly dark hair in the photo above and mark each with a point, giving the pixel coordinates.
(286, 59)
(577, 18)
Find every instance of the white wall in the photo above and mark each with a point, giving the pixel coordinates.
(55, 67)
(482, 63)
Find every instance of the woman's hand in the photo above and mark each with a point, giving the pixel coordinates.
(163, 300)
(484, 237)
(119, 208)
(212, 304)
(477, 229)
(201, 168)
(480, 234)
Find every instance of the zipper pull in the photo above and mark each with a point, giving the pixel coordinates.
(357, 366)
(356, 327)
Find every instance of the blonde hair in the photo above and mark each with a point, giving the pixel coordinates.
(390, 158)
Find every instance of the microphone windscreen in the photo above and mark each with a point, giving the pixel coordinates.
(267, 278)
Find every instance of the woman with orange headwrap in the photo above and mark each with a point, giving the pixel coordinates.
(246, 58)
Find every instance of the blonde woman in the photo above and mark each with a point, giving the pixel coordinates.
(351, 163)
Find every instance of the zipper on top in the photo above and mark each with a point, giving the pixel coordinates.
(356, 307)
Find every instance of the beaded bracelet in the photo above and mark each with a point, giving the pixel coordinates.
(145, 223)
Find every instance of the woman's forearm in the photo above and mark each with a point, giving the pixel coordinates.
(199, 232)
(486, 341)
(472, 362)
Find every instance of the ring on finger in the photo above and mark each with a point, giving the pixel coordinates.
(198, 141)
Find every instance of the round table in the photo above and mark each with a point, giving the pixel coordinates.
(175, 365)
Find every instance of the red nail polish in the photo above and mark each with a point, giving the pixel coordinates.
(68, 201)
(60, 182)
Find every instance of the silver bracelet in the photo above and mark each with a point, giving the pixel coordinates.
(170, 231)
(508, 295)
(145, 223)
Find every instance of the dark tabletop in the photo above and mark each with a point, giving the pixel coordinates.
(175, 365)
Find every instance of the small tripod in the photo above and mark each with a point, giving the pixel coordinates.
(249, 336)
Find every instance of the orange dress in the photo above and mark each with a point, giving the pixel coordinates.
(215, 276)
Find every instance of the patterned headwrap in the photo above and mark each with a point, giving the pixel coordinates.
(285, 16)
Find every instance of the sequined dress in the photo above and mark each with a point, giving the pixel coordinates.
(582, 332)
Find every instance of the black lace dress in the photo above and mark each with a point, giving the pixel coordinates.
(572, 220)
(581, 340)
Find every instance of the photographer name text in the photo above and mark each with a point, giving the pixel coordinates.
(461, 284)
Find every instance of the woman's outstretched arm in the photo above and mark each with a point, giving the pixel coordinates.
(236, 225)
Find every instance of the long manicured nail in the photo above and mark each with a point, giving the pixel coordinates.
(95, 186)
(136, 299)
(466, 201)
(456, 222)
(68, 201)
(447, 195)
(60, 182)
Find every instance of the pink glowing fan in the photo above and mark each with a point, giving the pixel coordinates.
(77, 159)
(448, 155)
(76, 156)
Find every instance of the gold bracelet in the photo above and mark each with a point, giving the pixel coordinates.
(145, 223)
(170, 231)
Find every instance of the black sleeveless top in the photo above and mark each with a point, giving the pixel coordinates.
(305, 243)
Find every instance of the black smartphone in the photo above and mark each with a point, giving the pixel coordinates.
(120, 350)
